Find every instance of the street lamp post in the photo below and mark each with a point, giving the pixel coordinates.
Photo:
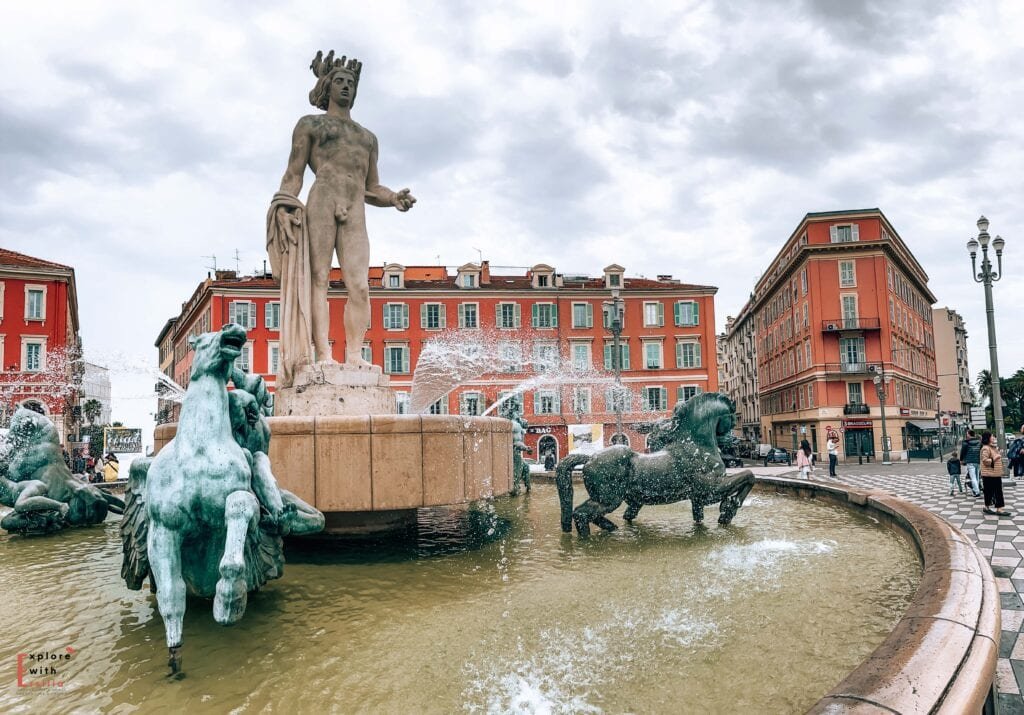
(881, 381)
(938, 421)
(987, 277)
(615, 326)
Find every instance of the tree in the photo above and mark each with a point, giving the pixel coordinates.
(92, 409)
(985, 386)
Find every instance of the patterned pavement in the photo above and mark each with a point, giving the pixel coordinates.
(1001, 539)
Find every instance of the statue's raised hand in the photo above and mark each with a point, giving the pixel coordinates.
(403, 200)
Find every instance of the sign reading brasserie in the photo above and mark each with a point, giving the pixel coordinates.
(122, 440)
(856, 424)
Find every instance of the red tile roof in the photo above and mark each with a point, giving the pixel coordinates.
(13, 258)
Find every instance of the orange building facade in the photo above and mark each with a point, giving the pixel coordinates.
(843, 319)
(39, 341)
(535, 321)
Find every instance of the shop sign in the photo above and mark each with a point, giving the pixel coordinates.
(904, 412)
(856, 424)
(539, 430)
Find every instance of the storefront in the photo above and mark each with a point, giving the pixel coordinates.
(858, 439)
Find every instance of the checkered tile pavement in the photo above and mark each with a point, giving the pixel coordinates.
(1001, 539)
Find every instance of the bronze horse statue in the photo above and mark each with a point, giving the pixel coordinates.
(686, 465)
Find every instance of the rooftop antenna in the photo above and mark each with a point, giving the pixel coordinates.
(238, 259)
(438, 259)
(214, 266)
(480, 255)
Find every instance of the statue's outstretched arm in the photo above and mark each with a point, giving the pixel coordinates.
(379, 195)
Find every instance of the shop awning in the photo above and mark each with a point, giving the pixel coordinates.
(924, 425)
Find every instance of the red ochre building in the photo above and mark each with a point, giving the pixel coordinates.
(39, 341)
(536, 315)
(842, 307)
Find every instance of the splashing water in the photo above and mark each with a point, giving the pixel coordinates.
(119, 363)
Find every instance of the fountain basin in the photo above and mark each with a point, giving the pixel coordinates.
(370, 472)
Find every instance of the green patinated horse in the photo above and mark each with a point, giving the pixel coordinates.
(687, 465)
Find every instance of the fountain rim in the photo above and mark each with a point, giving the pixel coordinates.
(942, 653)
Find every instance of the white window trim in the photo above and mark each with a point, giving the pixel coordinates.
(267, 312)
(35, 287)
(588, 312)
(462, 316)
(442, 317)
(27, 340)
(385, 280)
(590, 354)
(853, 271)
(556, 401)
(404, 315)
(661, 353)
(589, 399)
(3, 362)
(408, 355)
(2, 288)
(464, 400)
(552, 315)
(662, 391)
(499, 310)
(362, 351)
(700, 353)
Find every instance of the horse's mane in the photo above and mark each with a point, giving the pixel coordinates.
(702, 408)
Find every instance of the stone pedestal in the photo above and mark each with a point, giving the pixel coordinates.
(325, 389)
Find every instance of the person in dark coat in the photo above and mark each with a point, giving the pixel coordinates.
(549, 462)
(970, 455)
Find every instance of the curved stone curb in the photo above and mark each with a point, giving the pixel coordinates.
(941, 656)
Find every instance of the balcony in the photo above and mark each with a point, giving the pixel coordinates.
(856, 409)
(839, 325)
(852, 368)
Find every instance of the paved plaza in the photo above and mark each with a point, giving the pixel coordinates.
(1001, 539)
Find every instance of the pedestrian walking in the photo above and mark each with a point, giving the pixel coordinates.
(992, 475)
(803, 460)
(1015, 453)
(832, 446)
(970, 455)
(953, 467)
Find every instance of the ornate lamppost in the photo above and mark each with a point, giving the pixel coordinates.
(987, 277)
(615, 326)
(881, 381)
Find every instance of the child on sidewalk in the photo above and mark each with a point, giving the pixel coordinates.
(953, 467)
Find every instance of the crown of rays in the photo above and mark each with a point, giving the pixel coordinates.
(323, 66)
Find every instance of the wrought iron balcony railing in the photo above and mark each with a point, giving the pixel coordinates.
(856, 408)
(836, 325)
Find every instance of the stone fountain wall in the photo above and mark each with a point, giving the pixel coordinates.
(387, 462)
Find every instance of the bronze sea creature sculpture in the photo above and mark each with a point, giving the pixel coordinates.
(37, 483)
(686, 465)
(204, 516)
(520, 469)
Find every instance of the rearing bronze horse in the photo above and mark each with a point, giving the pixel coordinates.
(687, 465)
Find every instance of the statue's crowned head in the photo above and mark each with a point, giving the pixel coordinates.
(325, 69)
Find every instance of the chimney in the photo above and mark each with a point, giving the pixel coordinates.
(485, 273)
(225, 275)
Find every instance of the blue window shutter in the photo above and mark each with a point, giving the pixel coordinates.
(443, 315)
(661, 313)
(535, 315)
(423, 315)
(387, 316)
(518, 312)
(554, 315)
(590, 315)
(405, 315)
(696, 313)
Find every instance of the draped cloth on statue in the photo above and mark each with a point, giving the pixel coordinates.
(288, 249)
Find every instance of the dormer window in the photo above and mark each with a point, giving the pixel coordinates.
(543, 276)
(613, 276)
(469, 276)
(394, 277)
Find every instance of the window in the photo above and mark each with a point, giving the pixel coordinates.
(244, 360)
(396, 359)
(468, 315)
(582, 315)
(844, 234)
(366, 352)
(272, 315)
(614, 280)
(34, 357)
(471, 403)
(687, 313)
(618, 398)
(803, 279)
(808, 346)
(469, 280)
(35, 304)
(654, 398)
(440, 407)
(685, 392)
(545, 315)
(687, 353)
(545, 356)
(810, 395)
(609, 354)
(394, 280)
(854, 394)
(847, 274)
(851, 351)
(508, 316)
(396, 316)
(654, 315)
(849, 311)
(242, 312)
(511, 356)
(402, 403)
(652, 356)
(510, 404)
(581, 356)
(273, 358)
(432, 316)
(543, 280)
(807, 320)
(581, 400)
(545, 402)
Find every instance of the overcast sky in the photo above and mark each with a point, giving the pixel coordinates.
(138, 139)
